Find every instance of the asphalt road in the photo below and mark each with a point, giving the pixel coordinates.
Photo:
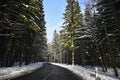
(49, 72)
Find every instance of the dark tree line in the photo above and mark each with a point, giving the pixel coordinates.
(91, 38)
(22, 32)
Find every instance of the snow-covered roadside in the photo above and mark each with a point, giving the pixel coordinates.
(88, 73)
(12, 72)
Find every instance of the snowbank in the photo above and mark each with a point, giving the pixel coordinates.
(12, 72)
(88, 73)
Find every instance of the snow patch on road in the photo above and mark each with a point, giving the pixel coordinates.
(12, 72)
(88, 73)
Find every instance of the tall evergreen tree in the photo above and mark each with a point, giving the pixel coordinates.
(88, 45)
(41, 40)
(72, 17)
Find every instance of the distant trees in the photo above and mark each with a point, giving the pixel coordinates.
(55, 47)
(21, 23)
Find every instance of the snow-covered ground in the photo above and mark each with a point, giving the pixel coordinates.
(88, 73)
(11, 72)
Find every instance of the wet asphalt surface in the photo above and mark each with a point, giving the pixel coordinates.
(50, 72)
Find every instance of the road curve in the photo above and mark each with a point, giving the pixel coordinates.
(49, 72)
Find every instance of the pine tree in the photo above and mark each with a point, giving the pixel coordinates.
(55, 46)
(72, 17)
(41, 40)
(88, 44)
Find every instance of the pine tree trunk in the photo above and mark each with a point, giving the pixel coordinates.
(73, 62)
(21, 60)
(66, 57)
(27, 56)
(5, 56)
(113, 65)
(54, 57)
(2, 49)
(113, 60)
(60, 55)
(12, 53)
(104, 59)
(101, 58)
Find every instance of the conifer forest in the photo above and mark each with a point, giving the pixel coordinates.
(89, 37)
(22, 32)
